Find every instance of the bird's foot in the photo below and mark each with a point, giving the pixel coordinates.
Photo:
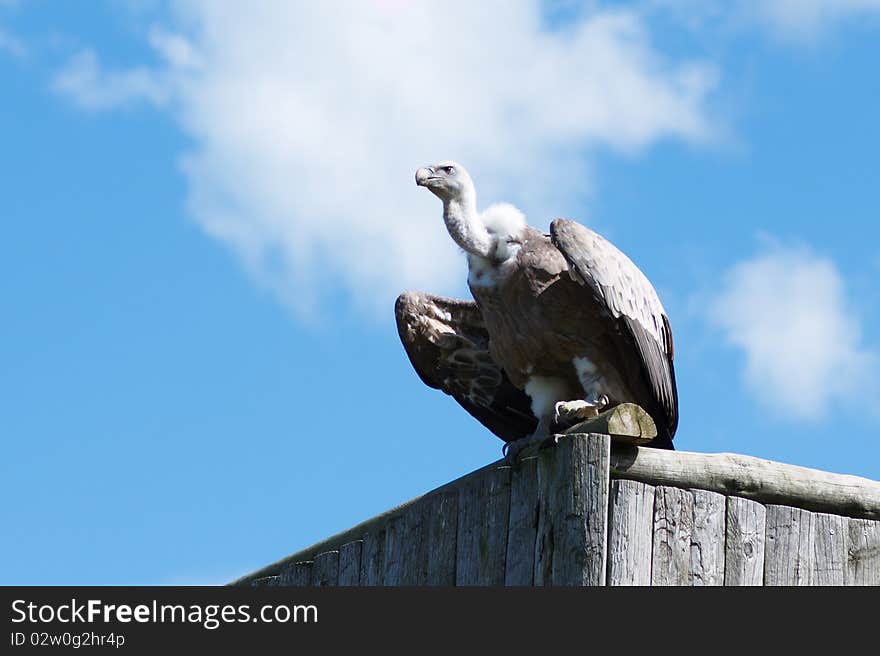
(511, 450)
(567, 413)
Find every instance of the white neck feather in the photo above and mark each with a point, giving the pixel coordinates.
(466, 228)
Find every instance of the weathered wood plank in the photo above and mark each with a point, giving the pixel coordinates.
(707, 539)
(373, 559)
(414, 554)
(483, 513)
(673, 533)
(325, 570)
(788, 546)
(570, 546)
(441, 543)
(297, 574)
(395, 547)
(523, 524)
(467, 546)
(863, 552)
(630, 533)
(754, 478)
(350, 563)
(266, 582)
(744, 542)
(544, 531)
(828, 564)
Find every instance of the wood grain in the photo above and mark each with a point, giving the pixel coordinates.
(673, 531)
(570, 547)
(863, 552)
(788, 546)
(744, 542)
(325, 570)
(523, 524)
(483, 514)
(373, 559)
(395, 536)
(350, 563)
(630, 533)
(297, 574)
(441, 543)
(707, 538)
(414, 554)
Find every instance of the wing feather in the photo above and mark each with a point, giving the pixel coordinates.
(448, 345)
(613, 279)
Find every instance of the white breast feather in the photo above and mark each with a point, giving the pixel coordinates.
(481, 272)
(503, 220)
(504, 223)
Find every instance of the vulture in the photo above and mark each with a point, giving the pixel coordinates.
(562, 322)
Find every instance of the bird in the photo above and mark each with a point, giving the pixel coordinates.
(561, 324)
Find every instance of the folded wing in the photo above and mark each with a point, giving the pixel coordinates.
(613, 279)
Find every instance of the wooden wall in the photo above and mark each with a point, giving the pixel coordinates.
(561, 519)
(672, 536)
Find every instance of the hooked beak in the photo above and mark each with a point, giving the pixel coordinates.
(424, 175)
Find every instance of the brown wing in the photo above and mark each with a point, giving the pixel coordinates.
(630, 299)
(448, 346)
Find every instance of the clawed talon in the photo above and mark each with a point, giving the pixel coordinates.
(511, 450)
(567, 413)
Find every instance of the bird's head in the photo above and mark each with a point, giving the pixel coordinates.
(446, 180)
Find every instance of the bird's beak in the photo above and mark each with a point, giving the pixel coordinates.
(423, 175)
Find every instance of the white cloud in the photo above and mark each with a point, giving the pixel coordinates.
(787, 310)
(807, 19)
(91, 88)
(308, 120)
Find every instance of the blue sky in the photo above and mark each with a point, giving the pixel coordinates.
(208, 212)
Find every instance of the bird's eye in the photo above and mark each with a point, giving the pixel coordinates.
(449, 170)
